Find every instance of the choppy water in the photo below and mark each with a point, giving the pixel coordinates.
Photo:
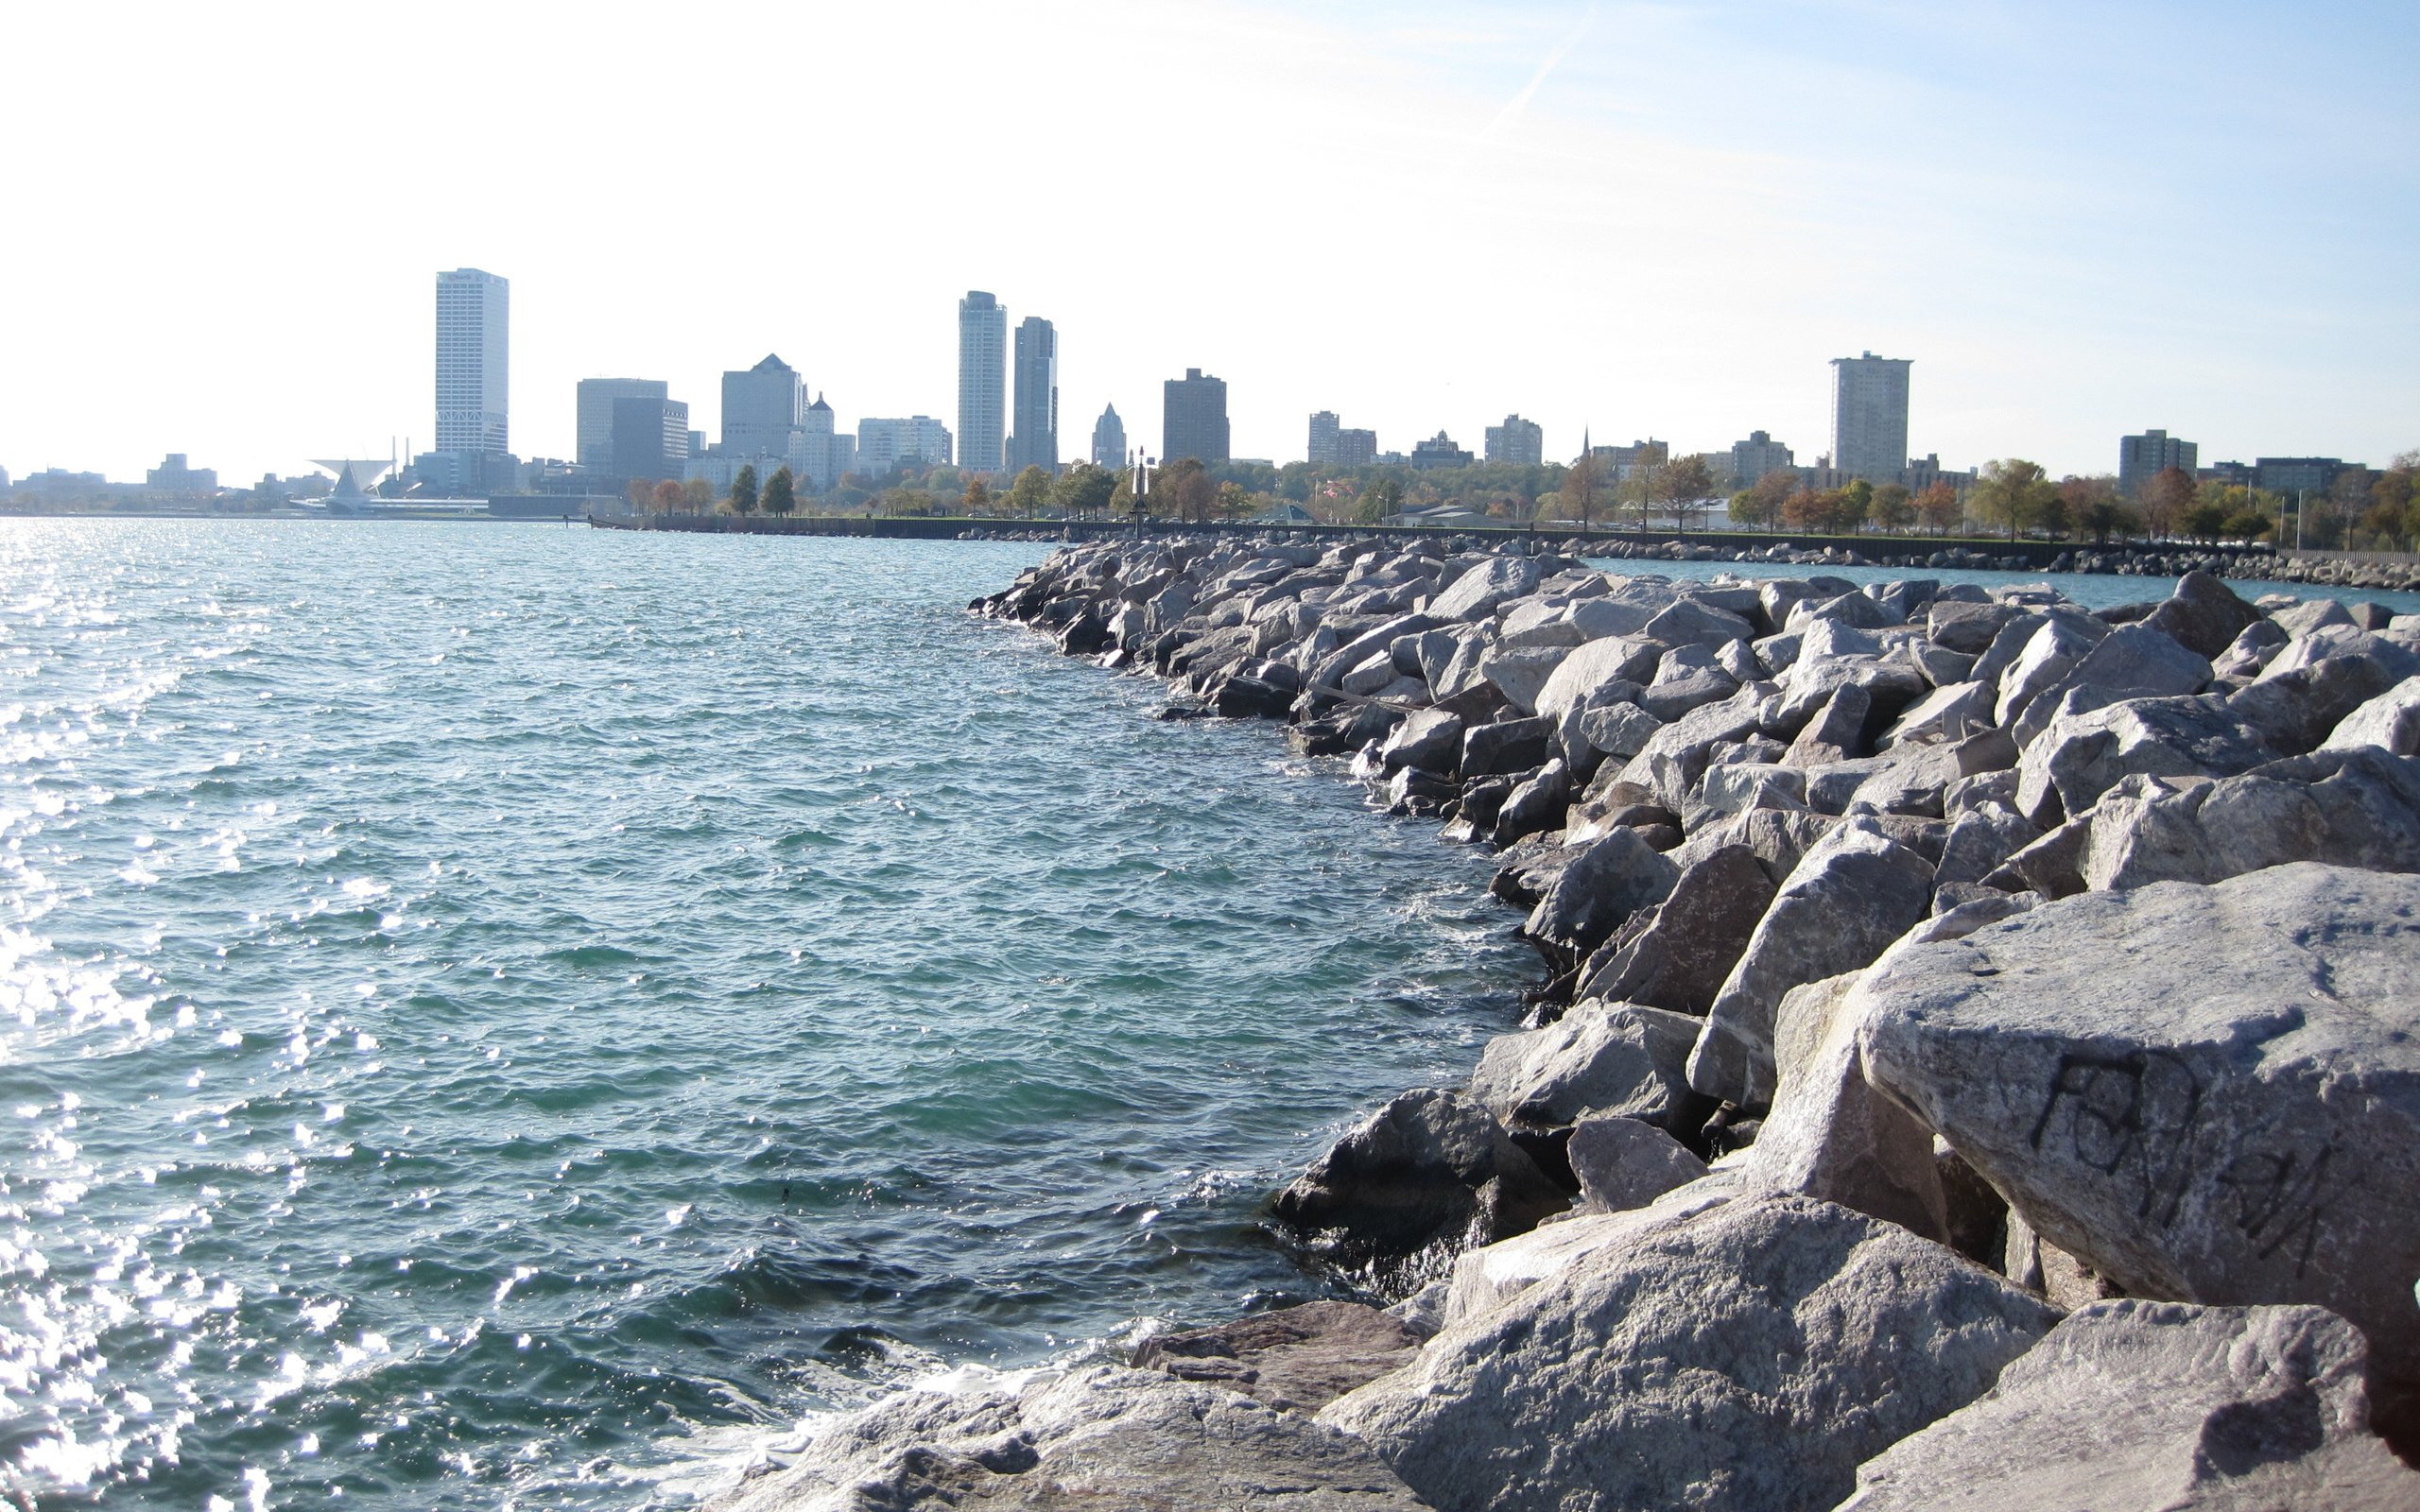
(501, 1014)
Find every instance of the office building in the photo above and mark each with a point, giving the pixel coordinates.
(474, 319)
(1754, 457)
(1355, 448)
(175, 476)
(760, 408)
(1323, 433)
(982, 383)
(1521, 442)
(1439, 451)
(593, 446)
(649, 438)
(1109, 439)
(1033, 440)
(1870, 417)
(2141, 458)
(820, 453)
(884, 444)
(1193, 419)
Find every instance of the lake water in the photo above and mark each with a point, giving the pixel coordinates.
(509, 1015)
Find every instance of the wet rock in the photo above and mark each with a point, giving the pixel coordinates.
(1529, 869)
(1747, 1358)
(1852, 895)
(1099, 1438)
(1429, 1173)
(1297, 1359)
(2208, 1094)
(1678, 957)
(1614, 1058)
(1623, 1163)
(2132, 1406)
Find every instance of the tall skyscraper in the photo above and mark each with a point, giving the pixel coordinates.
(1522, 442)
(474, 319)
(1870, 417)
(1109, 439)
(1034, 442)
(2141, 458)
(650, 436)
(1322, 452)
(982, 382)
(884, 443)
(593, 443)
(1193, 418)
(1758, 455)
(760, 408)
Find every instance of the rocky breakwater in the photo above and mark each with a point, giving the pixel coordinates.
(1977, 1061)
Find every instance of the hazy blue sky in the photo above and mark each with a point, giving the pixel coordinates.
(2079, 220)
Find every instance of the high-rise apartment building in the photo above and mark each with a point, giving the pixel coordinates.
(1522, 442)
(1870, 417)
(593, 446)
(883, 443)
(1034, 440)
(650, 436)
(1109, 439)
(2141, 458)
(1193, 418)
(1324, 426)
(1757, 455)
(982, 382)
(1356, 448)
(760, 407)
(474, 320)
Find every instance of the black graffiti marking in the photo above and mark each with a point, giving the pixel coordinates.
(2132, 1113)
(2280, 1200)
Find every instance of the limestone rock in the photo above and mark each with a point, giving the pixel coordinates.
(1429, 1172)
(2204, 615)
(1618, 730)
(1298, 1359)
(2132, 1406)
(1535, 804)
(1484, 586)
(2208, 1094)
(1680, 957)
(1607, 882)
(1101, 1437)
(1747, 1359)
(1579, 677)
(1505, 746)
(2391, 721)
(1623, 1163)
(1430, 740)
(2079, 757)
(1692, 622)
(1852, 895)
(1520, 674)
(1599, 1057)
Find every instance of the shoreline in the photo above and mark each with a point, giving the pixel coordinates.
(1744, 819)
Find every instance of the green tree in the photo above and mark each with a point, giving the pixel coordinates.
(1894, 507)
(2204, 521)
(1857, 503)
(1759, 504)
(697, 496)
(743, 489)
(2105, 518)
(1030, 492)
(1683, 485)
(1381, 499)
(781, 493)
(1184, 490)
(2013, 492)
(1083, 490)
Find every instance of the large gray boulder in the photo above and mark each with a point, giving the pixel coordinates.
(1747, 1359)
(2391, 721)
(1430, 740)
(2208, 1094)
(1677, 955)
(1481, 588)
(2064, 770)
(1521, 672)
(2132, 1406)
(1102, 1437)
(1623, 1163)
(1852, 894)
(1693, 622)
(2132, 662)
(1608, 881)
(1615, 1058)
(1581, 677)
(1423, 1177)
(1296, 1358)
(2204, 614)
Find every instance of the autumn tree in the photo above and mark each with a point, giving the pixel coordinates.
(697, 495)
(1184, 490)
(978, 497)
(743, 489)
(781, 493)
(2013, 492)
(1759, 504)
(1682, 485)
(1582, 484)
(668, 495)
(1940, 510)
(2166, 498)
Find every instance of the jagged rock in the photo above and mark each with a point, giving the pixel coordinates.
(1910, 779)
(1949, 714)
(2251, 652)
(1679, 958)
(1413, 791)
(2048, 657)
(1736, 787)
(1837, 732)
(1670, 696)
(1580, 679)
(1484, 586)
(1619, 729)
(2312, 614)
(1298, 1359)
(1607, 882)
(1747, 1358)
(1430, 740)
(1675, 756)
(1601, 1057)
(1428, 1174)
(1980, 843)
(1967, 629)
(2204, 615)
(1101, 1437)
(1521, 674)
(1506, 746)
(1830, 1134)
(2389, 721)
(1250, 698)
(2132, 1406)
(1846, 900)
(2079, 757)
(1624, 1164)
(1529, 869)
(1694, 622)
(2132, 662)
(2208, 1094)
(1487, 1277)
(2297, 708)
(1534, 805)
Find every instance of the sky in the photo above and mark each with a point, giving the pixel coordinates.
(223, 223)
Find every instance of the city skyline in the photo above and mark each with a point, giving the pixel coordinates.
(1673, 249)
